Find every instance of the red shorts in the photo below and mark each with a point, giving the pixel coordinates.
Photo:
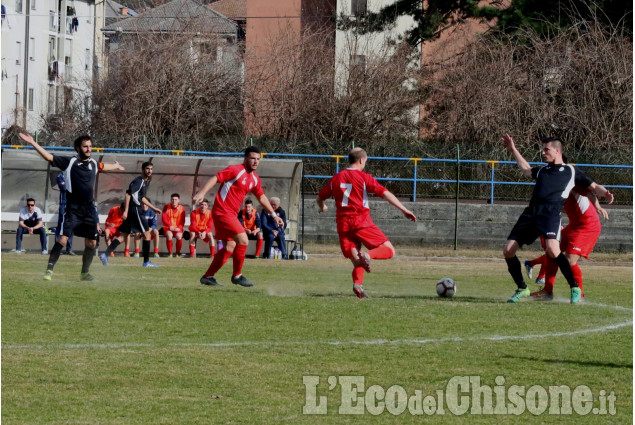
(114, 232)
(370, 236)
(579, 241)
(227, 226)
(195, 237)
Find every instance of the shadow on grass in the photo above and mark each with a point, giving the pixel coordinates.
(459, 300)
(573, 362)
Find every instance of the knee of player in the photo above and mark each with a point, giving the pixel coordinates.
(552, 252)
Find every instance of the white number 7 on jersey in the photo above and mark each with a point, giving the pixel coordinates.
(348, 187)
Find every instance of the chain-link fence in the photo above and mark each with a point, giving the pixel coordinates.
(494, 179)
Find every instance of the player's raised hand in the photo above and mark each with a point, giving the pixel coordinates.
(508, 142)
(27, 138)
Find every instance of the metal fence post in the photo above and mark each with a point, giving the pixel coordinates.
(337, 162)
(414, 180)
(456, 203)
(491, 192)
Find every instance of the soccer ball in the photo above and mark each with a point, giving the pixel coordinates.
(446, 287)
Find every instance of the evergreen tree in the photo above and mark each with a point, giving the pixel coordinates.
(540, 15)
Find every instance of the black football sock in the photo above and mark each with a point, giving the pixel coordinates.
(87, 258)
(514, 268)
(146, 250)
(565, 268)
(54, 256)
(111, 248)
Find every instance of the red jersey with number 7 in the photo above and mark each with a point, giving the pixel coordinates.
(235, 184)
(350, 188)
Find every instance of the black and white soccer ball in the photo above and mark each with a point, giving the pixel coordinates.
(446, 287)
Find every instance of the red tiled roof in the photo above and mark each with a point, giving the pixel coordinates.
(233, 9)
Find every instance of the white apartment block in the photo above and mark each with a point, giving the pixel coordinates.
(47, 59)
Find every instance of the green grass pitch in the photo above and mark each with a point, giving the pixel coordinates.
(153, 346)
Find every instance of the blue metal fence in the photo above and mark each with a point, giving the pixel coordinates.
(413, 180)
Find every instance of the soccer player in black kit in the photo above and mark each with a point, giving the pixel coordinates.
(133, 215)
(554, 182)
(80, 173)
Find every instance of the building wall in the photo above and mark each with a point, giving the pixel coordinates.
(41, 30)
(272, 20)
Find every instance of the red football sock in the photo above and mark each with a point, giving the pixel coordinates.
(239, 259)
(168, 243)
(540, 260)
(192, 251)
(550, 275)
(577, 275)
(543, 269)
(136, 250)
(358, 275)
(212, 250)
(542, 272)
(259, 243)
(156, 250)
(381, 253)
(218, 262)
(127, 250)
(179, 245)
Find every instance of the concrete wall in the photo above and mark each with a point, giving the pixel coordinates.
(480, 225)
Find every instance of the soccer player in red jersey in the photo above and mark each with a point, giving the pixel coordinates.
(350, 188)
(114, 220)
(173, 217)
(202, 227)
(578, 237)
(236, 181)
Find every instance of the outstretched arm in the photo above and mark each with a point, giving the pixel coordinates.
(392, 200)
(601, 192)
(43, 153)
(509, 144)
(201, 193)
(114, 166)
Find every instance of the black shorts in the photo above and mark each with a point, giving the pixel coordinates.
(253, 237)
(535, 221)
(133, 223)
(80, 220)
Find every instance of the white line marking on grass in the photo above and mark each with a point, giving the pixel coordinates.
(337, 343)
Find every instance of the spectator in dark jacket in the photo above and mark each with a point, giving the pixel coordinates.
(273, 232)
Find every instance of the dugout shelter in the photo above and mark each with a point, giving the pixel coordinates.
(26, 175)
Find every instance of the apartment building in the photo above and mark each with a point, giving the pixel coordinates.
(47, 60)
